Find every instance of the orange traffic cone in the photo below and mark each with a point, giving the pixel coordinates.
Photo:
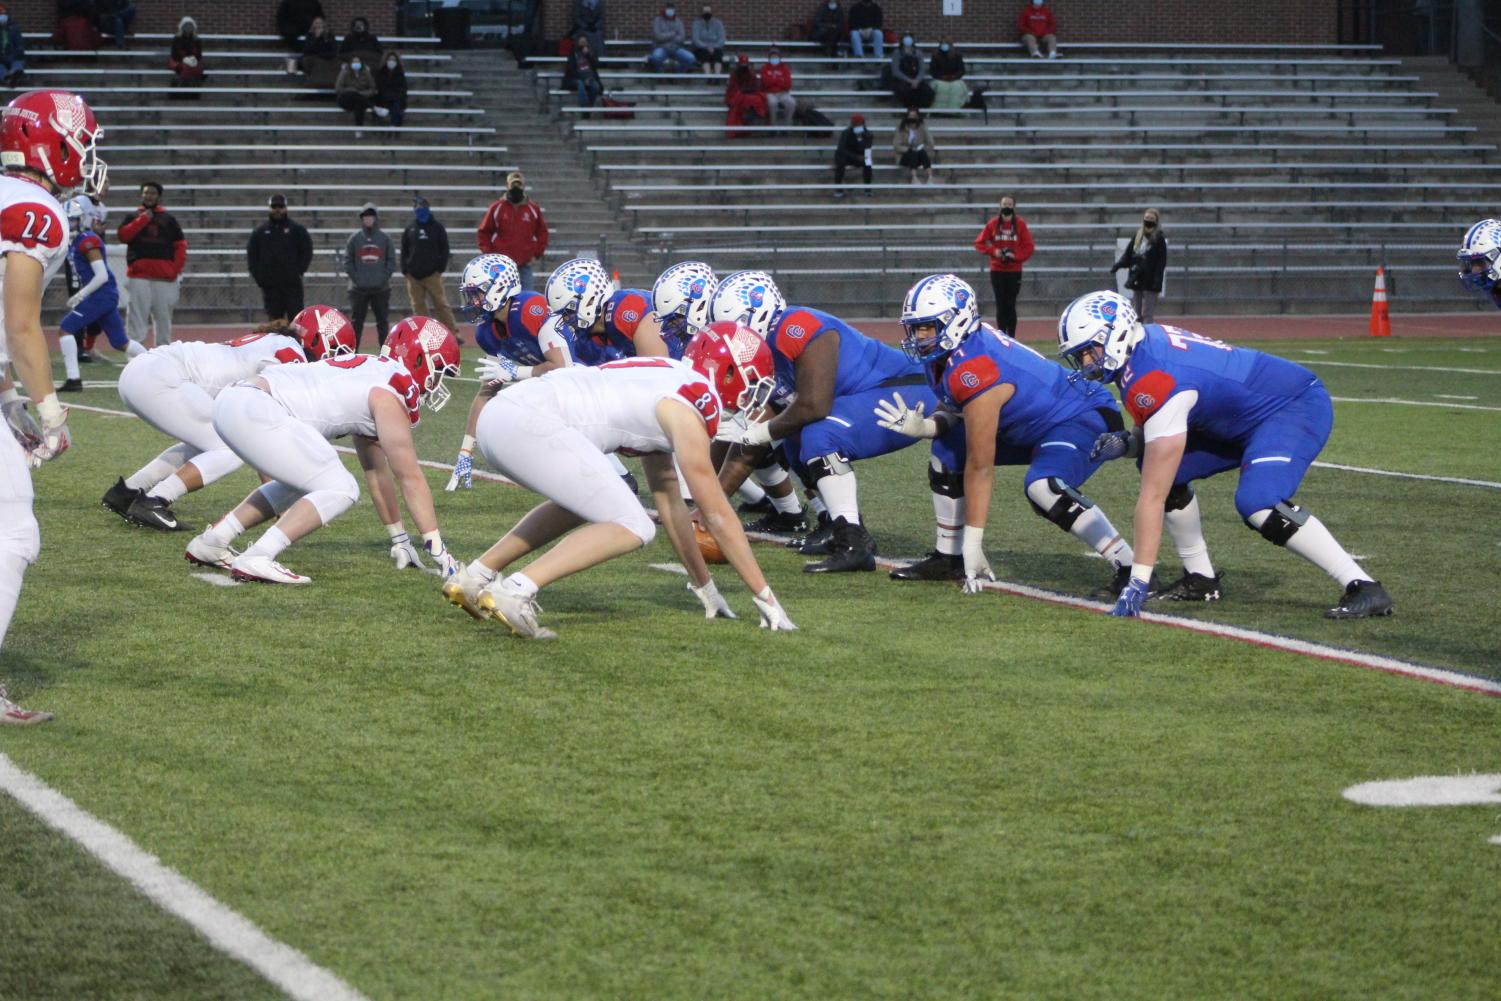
(1381, 319)
(615, 277)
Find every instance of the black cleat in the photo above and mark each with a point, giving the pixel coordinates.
(778, 523)
(119, 497)
(153, 512)
(762, 506)
(851, 549)
(816, 543)
(1363, 599)
(1111, 591)
(630, 483)
(84, 358)
(934, 566)
(71, 386)
(1191, 587)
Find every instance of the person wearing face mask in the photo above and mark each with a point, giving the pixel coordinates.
(909, 76)
(277, 255)
(369, 261)
(742, 95)
(391, 88)
(12, 50)
(853, 151)
(355, 91)
(708, 42)
(947, 70)
(186, 58)
(1036, 24)
(865, 29)
(1007, 242)
(424, 258)
(582, 72)
(776, 84)
(360, 42)
(513, 226)
(828, 27)
(1145, 262)
(668, 38)
(914, 147)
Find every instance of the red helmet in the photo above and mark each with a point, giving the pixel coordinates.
(54, 133)
(429, 351)
(326, 332)
(737, 362)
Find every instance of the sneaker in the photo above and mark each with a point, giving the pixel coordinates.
(1109, 592)
(71, 386)
(1037, 55)
(511, 608)
(119, 497)
(1191, 587)
(934, 566)
(263, 570)
(762, 506)
(13, 715)
(779, 523)
(817, 542)
(630, 483)
(1363, 599)
(381, 112)
(463, 589)
(1053, 54)
(153, 512)
(851, 550)
(206, 554)
(84, 358)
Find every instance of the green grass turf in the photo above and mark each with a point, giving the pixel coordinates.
(918, 795)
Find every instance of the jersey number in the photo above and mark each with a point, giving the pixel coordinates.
(1181, 339)
(30, 225)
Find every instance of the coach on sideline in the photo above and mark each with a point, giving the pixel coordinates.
(155, 254)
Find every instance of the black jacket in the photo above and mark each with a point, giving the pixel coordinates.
(946, 65)
(852, 146)
(865, 15)
(279, 253)
(424, 249)
(1144, 271)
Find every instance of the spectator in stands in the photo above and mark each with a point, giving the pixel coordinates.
(320, 56)
(355, 91)
(947, 70)
(424, 258)
(1145, 262)
(776, 84)
(277, 255)
(854, 150)
(589, 21)
(744, 98)
(828, 28)
(865, 29)
(114, 18)
(513, 225)
(1036, 24)
(155, 254)
(186, 58)
(12, 50)
(909, 77)
(369, 261)
(667, 38)
(582, 72)
(914, 147)
(391, 88)
(1007, 242)
(294, 18)
(359, 42)
(75, 30)
(708, 42)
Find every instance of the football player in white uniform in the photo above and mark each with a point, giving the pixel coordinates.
(173, 389)
(281, 423)
(554, 435)
(47, 149)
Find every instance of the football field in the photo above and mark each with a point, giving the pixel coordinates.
(918, 795)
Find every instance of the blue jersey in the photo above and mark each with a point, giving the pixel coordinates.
(1238, 388)
(863, 363)
(621, 314)
(524, 317)
(1044, 397)
(83, 242)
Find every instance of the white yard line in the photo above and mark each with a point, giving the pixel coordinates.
(1413, 403)
(1402, 368)
(1451, 396)
(229, 932)
(1457, 480)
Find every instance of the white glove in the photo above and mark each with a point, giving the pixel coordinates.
(404, 553)
(502, 370)
(773, 615)
(190, 60)
(75, 299)
(447, 566)
(753, 434)
(21, 425)
(976, 569)
(715, 607)
(895, 415)
(54, 430)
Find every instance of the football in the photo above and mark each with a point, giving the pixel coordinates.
(707, 545)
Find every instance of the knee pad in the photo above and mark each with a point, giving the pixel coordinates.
(639, 525)
(1057, 501)
(832, 464)
(1279, 523)
(943, 482)
(770, 473)
(279, 495)
(20, 537)
(1179, 497)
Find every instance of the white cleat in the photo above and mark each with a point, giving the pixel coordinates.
(463, 589)
(264, 570)
(513, 609)
(206, 554)
(13, 715)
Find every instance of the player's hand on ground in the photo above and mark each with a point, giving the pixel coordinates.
(54, 431)
(715, 607)
(1128, 605)
(977, 574)
(895, 415)
(404, 553)
(445, 564)
(501, 370)
(1114, 445)
(463, 473)
(773, 615)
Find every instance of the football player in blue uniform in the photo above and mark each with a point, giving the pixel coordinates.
(1018, 409)
(97, 300)
(829, 379)
(1480, 259)
(1202, 407)
(604, 323)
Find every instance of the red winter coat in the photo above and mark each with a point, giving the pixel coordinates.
(516, 230)
(1013, 236)
(1036, 21)
(776, 79)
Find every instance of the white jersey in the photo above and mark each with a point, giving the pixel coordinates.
(211, 367)
(31, 223)
(615, 405)
(333, 395)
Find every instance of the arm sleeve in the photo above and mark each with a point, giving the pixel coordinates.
(482, 234)
(179, 256)
(98, 281)
(1172, 417)
(982, 242)
(132, 226)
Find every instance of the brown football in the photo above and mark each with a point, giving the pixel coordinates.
(707, 545)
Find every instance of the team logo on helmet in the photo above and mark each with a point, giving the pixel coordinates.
(696, 288)
(970, 379)
(755, 296)
(961, 296)
(579, 283)
(1105, 309)
(1146, 401)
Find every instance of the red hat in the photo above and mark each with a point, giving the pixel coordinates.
(857, 119)
(743, 58)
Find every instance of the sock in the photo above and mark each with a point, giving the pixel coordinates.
(817, 506)
(1315, 544)
(169, 489)
(225, 531)
(479, 571)
(521, 582)
(750, 492)
(161, 467)
(1094, 530)
(133, 348)
(271, 544)
(948, 512)
(68, 345)
(838, 493)
(786, 504)
(1187, 532)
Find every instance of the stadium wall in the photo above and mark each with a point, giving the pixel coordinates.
(216, 16)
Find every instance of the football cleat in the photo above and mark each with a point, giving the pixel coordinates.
(851, 550)
(153, 512)
(1363, 599)
(934, 566)
(511, 608)
(762, 506)
(71, 386)
(206, 554)
(119, 497)
(816, 542)
(263, 570)
(779, 523)
(463, 589)
(13, 715)
(1109, 592)
(1191, 587)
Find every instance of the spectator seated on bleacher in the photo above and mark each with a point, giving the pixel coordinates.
(320, 56)
(186, 58)
(853, 151)
(744, 98)
(668, 39)
(909, 77)
(114, 18)
(75, 27)
(589, 21)
(355, 90)
(359, 42)
(582, 72)
(1036, 24)
(914, 147)
(865, 29)
(947, 71)
(294, 18)
(776, 84)
(391, 88)
(708, 42)
(828, 27)
(12, 50)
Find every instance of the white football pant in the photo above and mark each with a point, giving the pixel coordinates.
(20, 538)
(298, 458)
(156, 388)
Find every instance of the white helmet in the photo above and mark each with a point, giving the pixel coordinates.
(1101, 320)
(1481, 245)
(748, 297)
(580, 287)
(685, 290)
(490, 281)
(80, 210)
(947, 304)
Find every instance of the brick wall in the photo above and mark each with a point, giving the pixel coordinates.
(247, 17)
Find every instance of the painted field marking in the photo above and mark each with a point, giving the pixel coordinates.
(1430, 790)
(1311, 351)
(1473, 351)
(676, 568)
(1457, 480)
(216, 579)
(1414, 403)
(229, 932)
(1451, 396)
(1407, 368)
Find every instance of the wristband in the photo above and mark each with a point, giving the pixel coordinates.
(1141, 571)
(433, 541)
(9, 395)
(523, 372)
(973, 546)
(50, 410)
(467, 445)
(395, 529)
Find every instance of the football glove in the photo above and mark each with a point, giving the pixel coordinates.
(463, 472)
(404, 553)
(502, 370)
(75, 299)
(447, 566)
(54, 430)
(1128, 605)
(773, 615)
(715, 607)
(22, 426)
(895, 415)
(754, 434)
(976, 568)
(1115, 445)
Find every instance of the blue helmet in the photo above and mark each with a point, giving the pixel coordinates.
(938, 313)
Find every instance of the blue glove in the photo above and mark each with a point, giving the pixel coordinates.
(463, 473)
(1113, 445)
(1128, 605)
